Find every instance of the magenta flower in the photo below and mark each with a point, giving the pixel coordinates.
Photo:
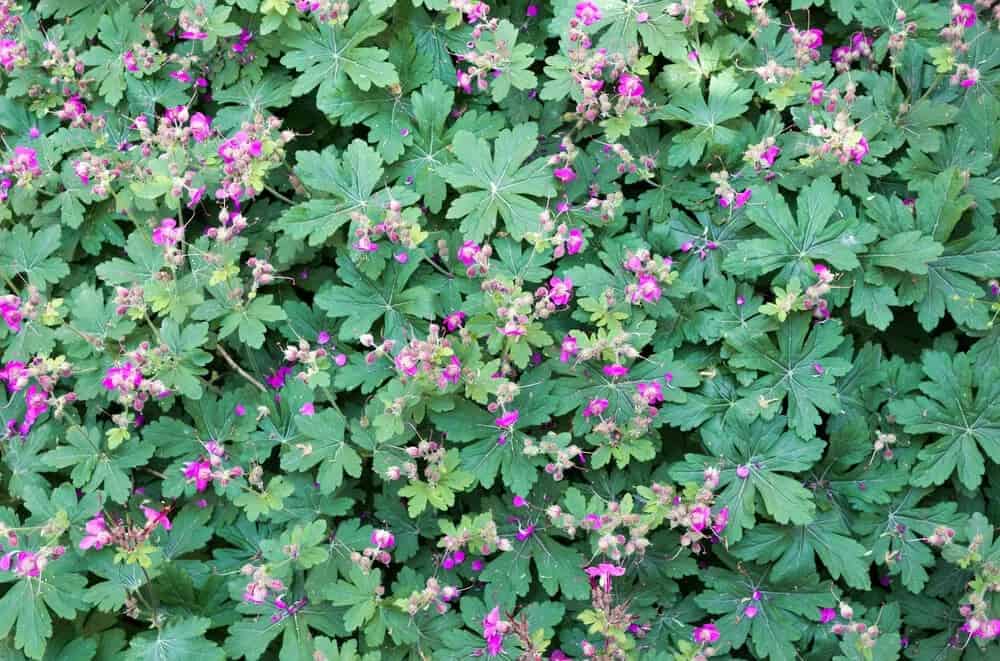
(524, 533)
(706, 633)
(277, 379)
(323, 338)
(123, 378)
(574, 243)
(651, 392)
(14, 374)
(615, 370)
(156, 518)
(167, 233)
(560, 290)
(859, 151)
(742, 198)
(827, 615)
(743, 471)
(814, 38)
(770, 155)
(493, 632)
(531, 11)
(700, 517)
(454, 321)
(194, 35)
(564, 174)
(508, 420)
(721, 521)
(201, 127)
(964, 15)
(816, 93)
(10, 310)
(519, 501)
(648, 289)
(630, 86)
(451, 374)
(568, 348)
(468, 253)
(199, 472)
(97, 534)
(596, 406)
(308, 409)
(383, 539)
(750, 611)
(588, 13)
(604, 573)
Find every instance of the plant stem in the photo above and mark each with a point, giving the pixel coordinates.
(242, 372)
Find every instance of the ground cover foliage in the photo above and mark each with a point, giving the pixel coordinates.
(433, 329)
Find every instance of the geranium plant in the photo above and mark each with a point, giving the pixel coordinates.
(372, 330)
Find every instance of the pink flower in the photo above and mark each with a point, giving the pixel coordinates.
(743, 471)
(742, 198)
(508, 419)
(493, 632)
(97, 534)
(26, 564)
(604, 573)
(156, 518)
(307, 409)
(770, 155)
(524, 533)
(750, 611)
(201, 127)
(651, 392)
(568, 348)
(181, 76)
(451, 374)
(816, 92)
(124, 378)
(277, 379)
(706, 633)
(519, 501)
(596, 407)
(574, 243)
(721, 521)
(859, 151)
(322, 338)
(194, 35)
(383, 539)
(560, 290)
(700, 517)
(588, 13)
(167, 233)
(200, 472)
(10, 310)
(630, 86)
(531, 11)
(615, 370)
(454, 321)
(964, 15)
(15, 375)
(564, 174)
(827, 615)
(814, 38)
(468, 253)
(648, 289)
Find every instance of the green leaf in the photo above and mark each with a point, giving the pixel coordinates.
(502, 185)
(326, 446)
(726, 101)
(95, 468)
(182, 639)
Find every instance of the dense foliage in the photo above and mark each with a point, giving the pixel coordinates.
(429, 329)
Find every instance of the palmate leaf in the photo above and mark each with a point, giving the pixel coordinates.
(823, 230)
(429, 148)
(327, 56)
(620, 30)
(246, 99)
(364, 302)
(783, 611)
(250, 637)
(94, 467)
(32, 255)
(502, 184)
(181, 639)
(322, 442)
(29, 605)
(351, 179)
(790, 369)
(559, 569)
(898, 532)
(961, 406)
(794, 550)
(726, 101)
(769, 452)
